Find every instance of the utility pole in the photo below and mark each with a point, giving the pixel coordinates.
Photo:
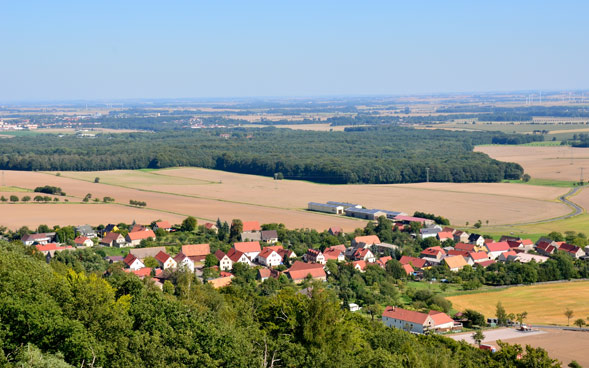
(581, 180)
(427, 174)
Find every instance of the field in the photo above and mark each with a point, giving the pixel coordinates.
(532, 299)
(208, 194)
(558, 128)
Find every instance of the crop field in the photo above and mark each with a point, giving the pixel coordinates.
(532, 299)
(172, 194)
(556, 128)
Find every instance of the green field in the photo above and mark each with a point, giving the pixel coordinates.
(578, 223)
(544, 182)
(532, 299)
(9, 188)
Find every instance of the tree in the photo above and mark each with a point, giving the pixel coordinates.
(478, 336)
(13, 198)
(188, 224)
(580, 322)
(501, 315)
(474, 318)
(520, 317)
(97, 179)
(478, 224)
(150, 262)
(526, 178)
(211, 260)
(236, 229)
(569, 314)
(168, 288)
(26, 198)
(3, 199)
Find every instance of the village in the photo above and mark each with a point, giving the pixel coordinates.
(263, 251)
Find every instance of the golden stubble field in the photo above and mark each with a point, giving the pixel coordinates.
(532, 299)
(172, 194)
(545, 162)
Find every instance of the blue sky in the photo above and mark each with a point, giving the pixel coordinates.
(54, 50)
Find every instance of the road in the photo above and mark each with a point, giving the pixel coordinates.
(577, 210)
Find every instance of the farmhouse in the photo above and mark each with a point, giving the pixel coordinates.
(417, 322)
(364, 213)
(382, 261)
(237, 256)
(545, 248)
(251, 249)
(269, 236)
(225, 263)
(430, 232)
(435, 253)
(164, 225)
(82, 241)
(196, 252)
(49, 249)
(363, 254)
(443, 236)
(300, 270)
(113, 240)
(326, 207)
(41, 238)
(165, 261)
(335, 230)
(495, 249)
(460, 236)
(414, 262)
(455, 263)
(86, 230)
(365, 241)
(476, 239)
(211, 226)
(477, 257)
(336, 253)
(572, 250)
(132, 262)
(360, 265)
(269, 258)
(183, 260)
(135, 238)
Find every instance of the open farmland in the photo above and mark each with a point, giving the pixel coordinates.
(210, 194)
(532, 299)
(556, 163)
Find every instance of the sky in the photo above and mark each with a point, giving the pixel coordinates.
(84, 50)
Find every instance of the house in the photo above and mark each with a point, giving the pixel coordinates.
(476, 239)
(109, 229)
(464, 246)
(141, 273)
(269, 257)
(365, 241)
(113, 259)
(527, 244)
(461, 236)
(196, 252)
(326, 208)
(247, 236)
(527, 258)
(336, 253)
(455, 252)
(137, 227)
(443, 236)
(495, 249)
(87, 231)
(387, 248)
(508, 238)
(49, 249)
(164, 225)
(409, 219)
(225, 263)
(286, 253)
(363, 254)
(573, 250)
(165, 261)
(265, 273)
(414, 262)
(443, 322)
(382, 261)
(545, 248)
(360, 265)
(315, 256)
(134, 238)
(251, 249)
(300, 270)
(269, 236)
(113, 239)
(221, 281)
(211, 226)
(418, 322)
(335, 230)
(436, 253)
(430, 232)
(364, 213)
(183, 260)
(82, 241)
(344, 204)
(251, 226)
(503, 257)
(477, 257)
(485, 264)
(41, 238)
(237, 256)
(132, 262)
(408, 269)
(455, 263)
(143, 253)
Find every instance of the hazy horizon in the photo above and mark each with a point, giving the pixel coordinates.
(70, 51)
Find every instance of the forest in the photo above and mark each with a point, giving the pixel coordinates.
(55, 316)
(375, 155)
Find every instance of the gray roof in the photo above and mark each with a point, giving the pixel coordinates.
(345, 204)
(269, 234)
(429, 231)
(327, 205)
(391, 213)
(142, 253)
(363, 210)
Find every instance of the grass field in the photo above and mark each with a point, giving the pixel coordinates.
(544, 182)
(532, 299)
(13, 189)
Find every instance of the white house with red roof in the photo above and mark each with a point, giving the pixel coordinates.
(365, 241)
(132, 262)
(476, 257)
(196, 252)
(445, 235)
(183, 261)
(134, 238)
(360, 265)
(82, 241)
(165, 261)
(495, 249)
(315, 256)
(414, 262)
(363, 254)
(269, 257)
(436, 253)
(336, 253)
(503, 257)
(238, 257)
(40, 238)
(251, 249)
(382, 261)
(418, 322)
(225, 263)
(164, 225)
(301, 270)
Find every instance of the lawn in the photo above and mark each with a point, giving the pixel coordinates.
(114, 251)
(545, 303)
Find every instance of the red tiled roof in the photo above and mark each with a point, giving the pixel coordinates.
(486, 264)
(210, 225)
(440, 318)
(162, 257)
(80, 239)
(445, 235)
(455, 252)
(408, 269)
(432, 251)
(415, 262)
(336, 230)
(300, 270)
(220, 254)
(362, 264)
(330, 253)
(464, 246)
(234, 254)
(478, 255)
(251, 226)
(266, 252)
(246, 247)
(196, 250)
(50, 247)
(275, 247)
(361, 252)
(498, 247)
(129, 259)
(410, 218)
(142, 272)
(570, 248)
(368, 239)
(527, 242)
(140, 235)
(514, 244)
(163, 225)
(405, 315)
(110, 237)
(382, 261)
(180, 257)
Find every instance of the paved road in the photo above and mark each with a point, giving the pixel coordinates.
(494, 335)
(564, 328)
(564, 199)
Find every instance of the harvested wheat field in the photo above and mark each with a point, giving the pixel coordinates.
(554, 162)
(532, 299)
(211, 194)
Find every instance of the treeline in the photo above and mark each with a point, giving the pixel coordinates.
(520, 113)
(438, 219)
(60, 317)
(361, 155)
